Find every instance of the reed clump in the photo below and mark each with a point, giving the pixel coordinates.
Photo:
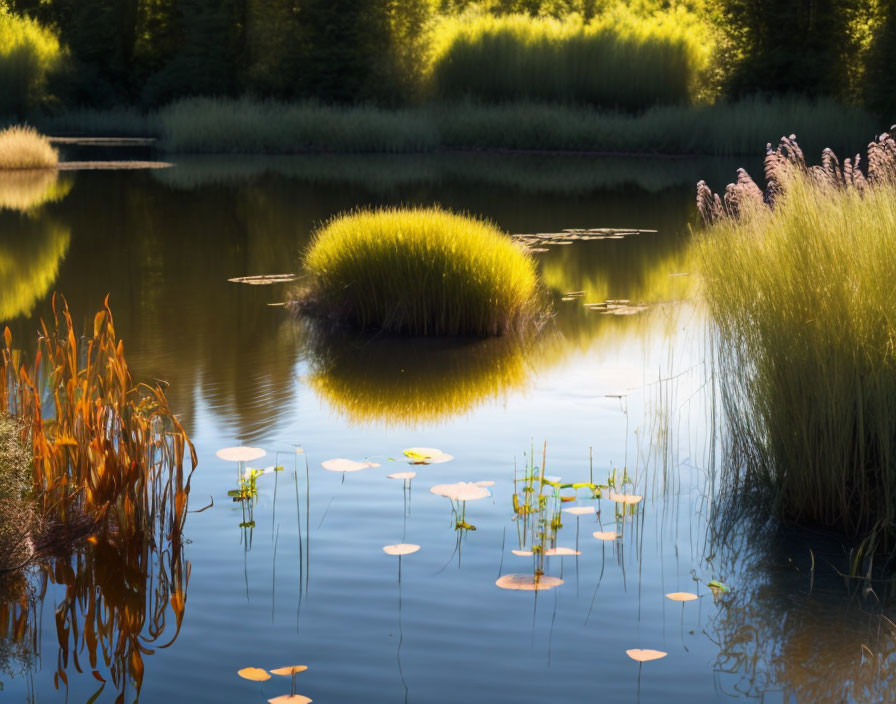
(108, 455)
(419, 271)
(799, 279)
(23, 147)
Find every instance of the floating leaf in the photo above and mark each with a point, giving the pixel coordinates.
(263, 279)
(528, 582)
(639, 655)
(256, 674)
(487, 482)
(630, 499)
(560, 552)
(290, 699)
(240, 454)
(605, 534)
(402, 475)
(291, 670)
(681, 596)
(340, 464)
(427, 455)
(401, 549)
(523, 553)
(462, 491)
(579, 510)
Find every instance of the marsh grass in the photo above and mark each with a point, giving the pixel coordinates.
(247, 126)
(803, 296)
(619, 59)
(22, 147)
(420, 271)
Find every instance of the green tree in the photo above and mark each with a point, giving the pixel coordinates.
(880, 87)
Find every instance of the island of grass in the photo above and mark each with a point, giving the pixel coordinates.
(419, 271)
(24, 148)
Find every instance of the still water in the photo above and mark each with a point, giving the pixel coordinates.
(300, 577)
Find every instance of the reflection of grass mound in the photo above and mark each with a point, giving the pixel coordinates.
(420, 271)
(29, 188)
(30, 254)
(413, 382)
(24, 148)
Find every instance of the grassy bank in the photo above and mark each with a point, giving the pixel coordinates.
(422, 271)
(803, 297)
(245, 126)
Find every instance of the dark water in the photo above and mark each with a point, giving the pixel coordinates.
(309, 582)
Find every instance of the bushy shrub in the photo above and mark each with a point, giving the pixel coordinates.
(29, 55)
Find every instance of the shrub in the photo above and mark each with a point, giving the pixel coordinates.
(29, 55)
(802, 293)
(420, 271)
(617, 60)
(24, 148)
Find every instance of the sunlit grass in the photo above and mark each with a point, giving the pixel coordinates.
(24, 148)
(804, 299)
(619, 59)
(420, 271)
(29, 53)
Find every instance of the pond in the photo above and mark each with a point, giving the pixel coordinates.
(622, 392)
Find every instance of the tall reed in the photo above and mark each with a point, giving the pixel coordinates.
(107, 453)
(420, 271)
(799, 280)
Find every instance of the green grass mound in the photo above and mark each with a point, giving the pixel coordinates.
(803, 296)
(25, 148)
(420, 271)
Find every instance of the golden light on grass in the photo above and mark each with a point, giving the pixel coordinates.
(419, 271)
(401, 549)
(256, 674)
(24, 148)
(528, 582)
(681, 596)
(639, 655)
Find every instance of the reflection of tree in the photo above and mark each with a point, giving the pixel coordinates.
(31, 251)
(397, 381)
(785, 626)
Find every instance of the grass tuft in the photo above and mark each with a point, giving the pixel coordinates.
(24, 148)
(420, 271)
(803, 296)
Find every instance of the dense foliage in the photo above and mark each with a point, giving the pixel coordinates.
(610, 53)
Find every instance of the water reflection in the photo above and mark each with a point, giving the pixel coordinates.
(789, 623)
(32, 248)
(395, 381)
(116, 602)
(27, 190)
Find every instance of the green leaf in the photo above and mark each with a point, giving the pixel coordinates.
(721, 586)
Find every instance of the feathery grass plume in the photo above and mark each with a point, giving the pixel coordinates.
(618, 59)
(108, 455)
(799, 281)
(419, 271)
(22, 147)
